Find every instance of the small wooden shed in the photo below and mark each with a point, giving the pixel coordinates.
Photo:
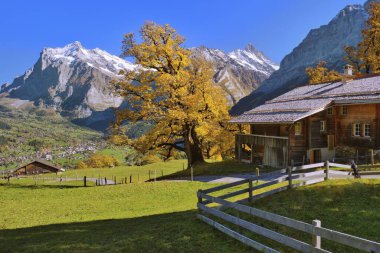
(36, 167)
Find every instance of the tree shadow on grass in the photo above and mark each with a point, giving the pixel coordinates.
(172, 232)
(39, 186)
(222, 168)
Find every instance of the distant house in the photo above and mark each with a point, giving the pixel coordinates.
(310, 123)
(36, 167)
(48, 157)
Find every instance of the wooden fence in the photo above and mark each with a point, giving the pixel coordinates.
(314, 229)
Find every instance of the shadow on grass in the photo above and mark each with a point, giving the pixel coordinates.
(39, 186)
(348, 206)
(223, 168)
(172, 232)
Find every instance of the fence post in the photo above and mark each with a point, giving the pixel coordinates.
(199, 196)
(250, 191)
(372, 157)
(96, 182)
(290, 174)
(191, 173)
(257, 175)
(125, 180)
(316, 239)
(357, 156)
(105, 181)
(130, 179)
(251, 154)
(84, 181)
(327, 168)
(115, 180)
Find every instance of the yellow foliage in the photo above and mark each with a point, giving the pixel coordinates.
(366, 56)
(99, 161)
(320, 74)
(172, 90)
(369, 47)
(81, 165)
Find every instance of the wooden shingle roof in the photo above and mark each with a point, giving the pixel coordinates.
(43, 162)
(307, 100)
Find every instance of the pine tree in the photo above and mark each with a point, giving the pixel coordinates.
(173, 91)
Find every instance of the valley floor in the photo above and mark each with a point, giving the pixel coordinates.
(145, 217)
(161, 216)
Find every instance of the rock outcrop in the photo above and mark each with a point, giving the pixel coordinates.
(325, 43)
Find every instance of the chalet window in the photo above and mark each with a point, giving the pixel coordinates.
(330, 111)
(367, 130)
(298, 128)
(356, 129)
(323, 126)
(343, 110)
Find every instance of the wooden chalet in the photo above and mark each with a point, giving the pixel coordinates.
(36, 167)
(308, 123)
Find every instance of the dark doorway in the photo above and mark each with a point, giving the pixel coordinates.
(316, 156)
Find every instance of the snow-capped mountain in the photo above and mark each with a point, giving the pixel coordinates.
(324, 43)
(74, 80)
(240, 71)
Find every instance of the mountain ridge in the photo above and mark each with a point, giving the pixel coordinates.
(75, 81)
(324, 43)
(240, 71)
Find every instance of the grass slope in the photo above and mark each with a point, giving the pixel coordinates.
(349, 206)
(171, 170)
(213, 168)
(146, 217)
(141, 172)
(23, 133)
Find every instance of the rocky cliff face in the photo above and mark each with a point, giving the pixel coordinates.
(240, 71)
(324, 43)
(73, 80)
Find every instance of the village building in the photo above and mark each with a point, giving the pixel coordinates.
(313, 123)
(36, 167)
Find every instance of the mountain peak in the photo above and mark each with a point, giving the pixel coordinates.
(348, 9)
(250, 48)
(95, 58)
(74, 45)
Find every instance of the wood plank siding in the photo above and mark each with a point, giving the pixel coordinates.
(353, 125)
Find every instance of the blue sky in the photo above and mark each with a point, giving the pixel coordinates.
(273, 26)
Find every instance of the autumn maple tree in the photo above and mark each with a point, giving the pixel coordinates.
(174, 91)
(320, 74)
(365, 57)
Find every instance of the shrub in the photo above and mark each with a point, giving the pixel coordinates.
(4, 109)
(37, 144)
(139, 159)
(4, 125)
(81, 165)
(99, 161)
(3, 140)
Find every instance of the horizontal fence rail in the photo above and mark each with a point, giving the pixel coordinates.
(237, 236)
(315, 230)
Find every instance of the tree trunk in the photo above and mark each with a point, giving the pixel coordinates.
(193, 148)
